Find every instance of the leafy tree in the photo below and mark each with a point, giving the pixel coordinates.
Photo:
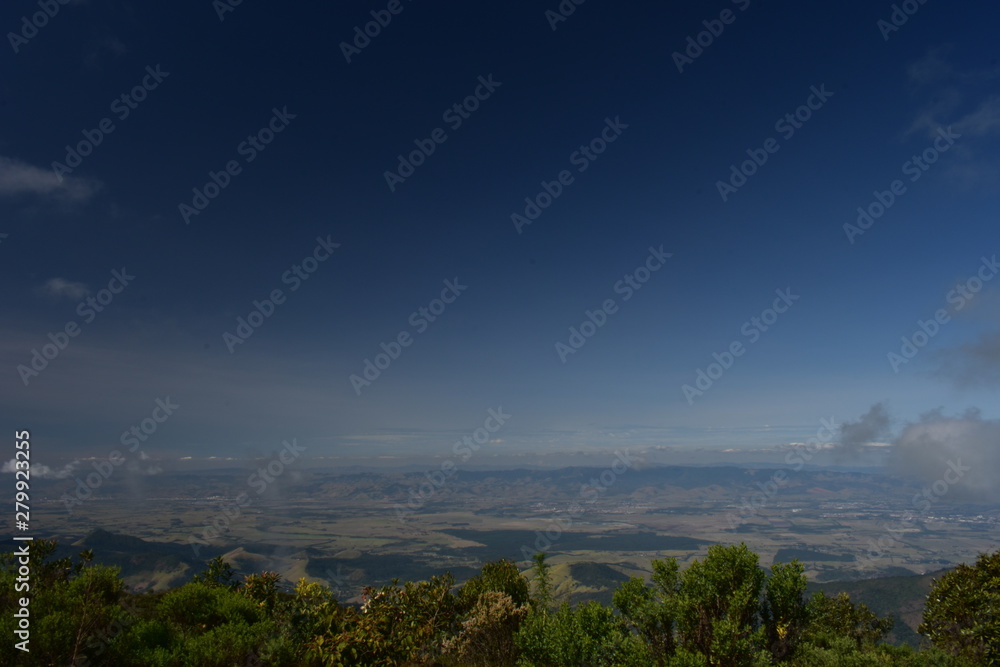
(203, 624)
(589, 635)
(650, 611)
(313, 615)
(71, 604)
(962, 612)
(501, 576)
(543, 581)
(840, 618)
(395, 625)
(45, 571)
(493, 603)
(487, 633)
(68, 616)
(219, 573)
(718, 605)
(784, 610)
(262, 588)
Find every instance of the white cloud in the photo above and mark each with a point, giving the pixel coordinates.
(42, 471)
(18, 178)
(929, 448)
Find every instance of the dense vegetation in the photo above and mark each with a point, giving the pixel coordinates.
(722, 610)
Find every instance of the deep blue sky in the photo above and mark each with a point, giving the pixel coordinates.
(655, 185)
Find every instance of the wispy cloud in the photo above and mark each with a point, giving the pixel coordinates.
(100, 46)
(932, 68)
(962, 99)
(57, 288)
(21, 178)
(983, 121)
(935, 113)
(973, 364)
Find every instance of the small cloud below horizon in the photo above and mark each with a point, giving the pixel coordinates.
(933, 449)
(872, 427)
(42, 471)
(938, 447)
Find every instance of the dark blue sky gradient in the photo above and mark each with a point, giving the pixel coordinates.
(495, 345)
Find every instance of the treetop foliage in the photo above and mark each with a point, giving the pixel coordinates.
(722, 610)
